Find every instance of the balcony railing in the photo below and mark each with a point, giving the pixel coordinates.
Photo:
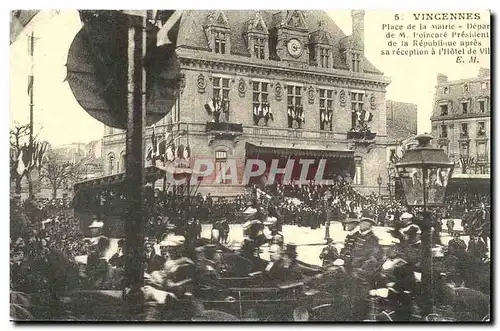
(361, 135)
(224, 127)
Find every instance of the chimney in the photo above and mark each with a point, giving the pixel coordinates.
(441, 79)
(484, 72)
(358, 27)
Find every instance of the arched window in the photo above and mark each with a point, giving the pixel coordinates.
(111, 163)
(221, 165)
(122, 161)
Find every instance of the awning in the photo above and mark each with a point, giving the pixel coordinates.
(302, 150)
(151, 174)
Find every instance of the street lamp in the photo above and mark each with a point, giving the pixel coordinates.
(424, 172)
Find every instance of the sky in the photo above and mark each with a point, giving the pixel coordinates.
(60, 120)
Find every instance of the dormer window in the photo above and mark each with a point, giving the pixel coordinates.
(320, 49)
(220, 42)
(446, 90)
(324, 57)
(258, 48)
(218, 33)
(257, 38)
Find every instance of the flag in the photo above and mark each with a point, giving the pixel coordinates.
(209, 107)
(31, 45)
(187, 153)
(162, 36)
(364, 116)
(255, 110)
(31, 79)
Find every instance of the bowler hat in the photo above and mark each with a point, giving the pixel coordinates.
(329, 240)
(353, 218)
(367, 216)
(291, 249)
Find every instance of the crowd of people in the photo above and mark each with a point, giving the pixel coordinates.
(45, 233)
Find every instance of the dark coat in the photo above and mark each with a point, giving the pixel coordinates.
(346, 251)
(367, 255)
(155, 262)
(328, 255)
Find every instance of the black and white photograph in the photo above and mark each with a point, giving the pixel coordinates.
(250, 166)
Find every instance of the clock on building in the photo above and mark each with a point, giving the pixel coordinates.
(294, 47)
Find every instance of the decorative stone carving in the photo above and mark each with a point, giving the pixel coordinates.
(242, 87)
(278, 91)
(342, 98)
(201, 82)
(373, 102)
(310, 95)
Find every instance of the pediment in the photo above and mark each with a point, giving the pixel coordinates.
(295, 19)
(258, 25)
(218, 18)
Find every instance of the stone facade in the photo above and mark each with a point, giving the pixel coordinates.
(317, 66)
(461, 116)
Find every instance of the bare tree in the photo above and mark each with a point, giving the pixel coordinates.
(57, 171)
(17, 135)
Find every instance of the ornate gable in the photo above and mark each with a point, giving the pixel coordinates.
(218, 32)
(321, 36)
(218, 19)
(295, 19)
(257, 25)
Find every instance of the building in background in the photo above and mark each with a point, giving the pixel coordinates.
(401, 130)
(461, 121)
(272, 85)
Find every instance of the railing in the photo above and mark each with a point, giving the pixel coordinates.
(361, 135)
(226, 127)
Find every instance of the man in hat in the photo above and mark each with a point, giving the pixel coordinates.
(177, 273)
(457, 255)
(367, 254)
(286, 268)
(351, 224)
(329, 253)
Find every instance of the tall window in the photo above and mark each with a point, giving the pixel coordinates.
(444, 110)
(324, 57)
(221, 92)
(464, 149)
(258, 48)
(464, 107)
(444, 131)
(221, 166)
(481, 129)
(122, 165)
(465, 130)
(356, 59)
(482, 106)
(220, 42)
(260, 102)
(295, 108)
(325, 109)
(111, 163)
(358, 174)
(356, 105)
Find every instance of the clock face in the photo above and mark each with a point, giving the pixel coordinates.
(294, 47)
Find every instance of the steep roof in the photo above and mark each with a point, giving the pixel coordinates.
(192, 35)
